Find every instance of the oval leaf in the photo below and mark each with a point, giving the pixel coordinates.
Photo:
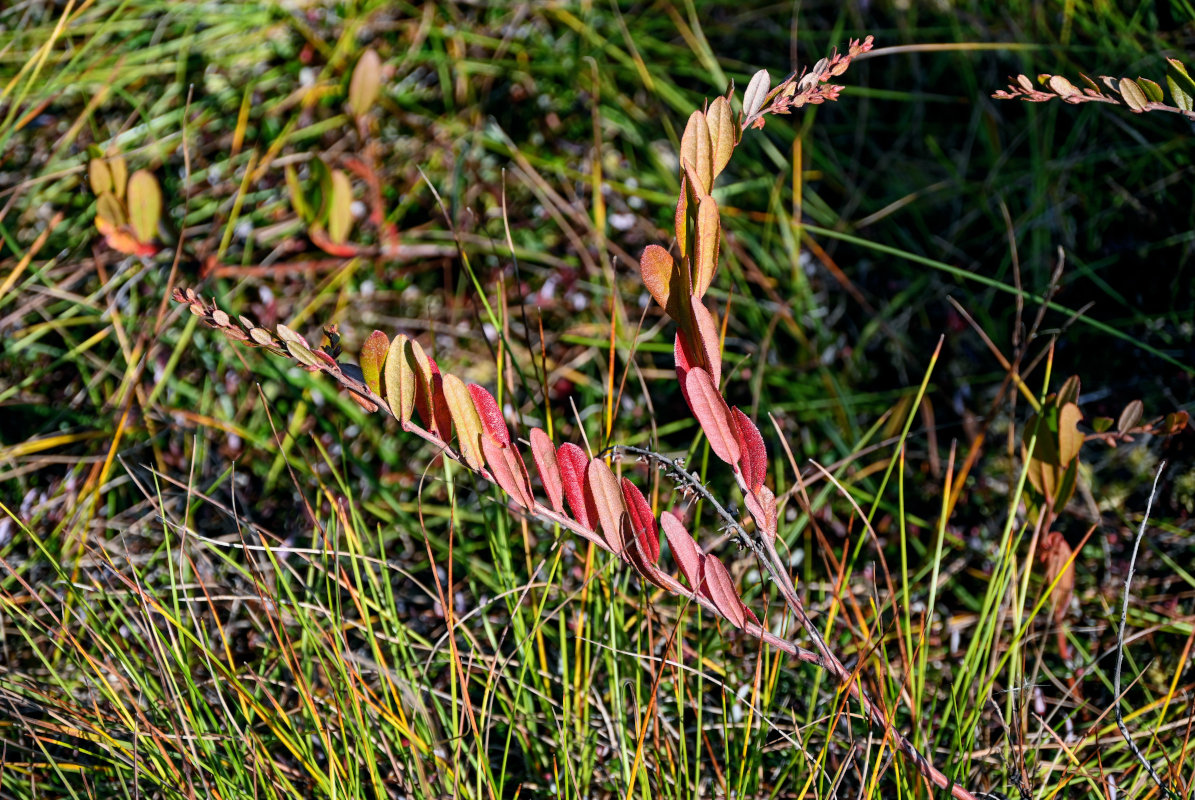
(722, 132)
(643, 522)
(288, 335)
(120, 175)
(1070, 439)
(109, 210)
(695, 149)
(685, 552)
(145, 205)
(709, 234)
(757, 91)
(549, 470)
(573, 463)
(464, 419)
(707, 331)
(754, 461)
(400, 380)
(340, 207)
(99, 176)
(712, 412)
(365, 83)
(607, 500)
(656, 267)
(1130, 416)
(508, 470)
(1133, 97)
(492, 421)
(373, 357)
(720, 589)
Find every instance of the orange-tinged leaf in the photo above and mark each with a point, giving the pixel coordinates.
(607, 500)
(340, 208)
(420, 365)
(656, 267)
(492, 421)
(399, 379)
(709, 234)
(722, 132)
(506, 465)
(122, 240)
(713, 414)
(365, 83)
(99, 176)
(373, 357)
(1070, 439)
(696, 150)
(685, 552)
(109, 209)
(464, 419)
(145, 204)
(720, 589)
(573, 464)
(549, 471)
(643, 522)
(681, 220)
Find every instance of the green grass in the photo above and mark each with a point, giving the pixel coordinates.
(220, 578)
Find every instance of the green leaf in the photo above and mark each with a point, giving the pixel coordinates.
(1152, 90)
(1101, 424)
(145, 204)
(319, 197)
(373, 358)
(297, 198)
(340, 212)
(365, 83)
(1182, 88)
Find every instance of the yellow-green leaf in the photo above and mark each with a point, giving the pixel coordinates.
(145, 204)
(99, 176)
(1182, 88)
(297, 198)
(373, 358)
(464, 419)
(340, 209)
(365, 83)
(120, 175)
(399, 379)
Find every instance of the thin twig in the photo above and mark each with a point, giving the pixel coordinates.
(1124, 612)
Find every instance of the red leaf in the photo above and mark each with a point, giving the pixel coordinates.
(506, 465)
(685, 551)
(684, 363)
(720, 589)
(754, 462)
(549, 470)
(491, 416)
(643, 522)
(573, 463)
(707, 332)
(712, 412)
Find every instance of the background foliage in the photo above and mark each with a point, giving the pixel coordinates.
(220, 578)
